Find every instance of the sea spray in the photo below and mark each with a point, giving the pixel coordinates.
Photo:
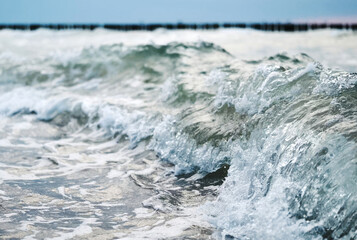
(125, 134)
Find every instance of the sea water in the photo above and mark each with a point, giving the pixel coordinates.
(178, 134)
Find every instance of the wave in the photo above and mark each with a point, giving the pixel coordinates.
(286, 126)
(293, 175)
(105, 61)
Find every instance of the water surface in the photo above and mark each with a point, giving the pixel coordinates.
(178, 135)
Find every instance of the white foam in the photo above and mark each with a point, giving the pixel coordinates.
(172, 228)
(181, 150)
(83, 229)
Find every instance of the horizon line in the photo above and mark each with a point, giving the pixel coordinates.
(263, 26)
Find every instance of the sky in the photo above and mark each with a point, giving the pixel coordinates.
(164, 11)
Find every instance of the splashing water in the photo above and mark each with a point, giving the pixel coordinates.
(135, 135)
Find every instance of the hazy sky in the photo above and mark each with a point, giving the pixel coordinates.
(148, 11)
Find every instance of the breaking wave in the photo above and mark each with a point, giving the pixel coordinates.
(285, 125)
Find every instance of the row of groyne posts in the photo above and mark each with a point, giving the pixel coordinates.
(284, 27)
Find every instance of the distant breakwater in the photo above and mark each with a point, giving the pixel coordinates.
(283, 27)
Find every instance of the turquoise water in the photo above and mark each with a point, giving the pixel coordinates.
(178, 135)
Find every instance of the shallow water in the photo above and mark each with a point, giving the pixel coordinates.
(178, 135)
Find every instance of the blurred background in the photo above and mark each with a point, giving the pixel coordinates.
(161, 11)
